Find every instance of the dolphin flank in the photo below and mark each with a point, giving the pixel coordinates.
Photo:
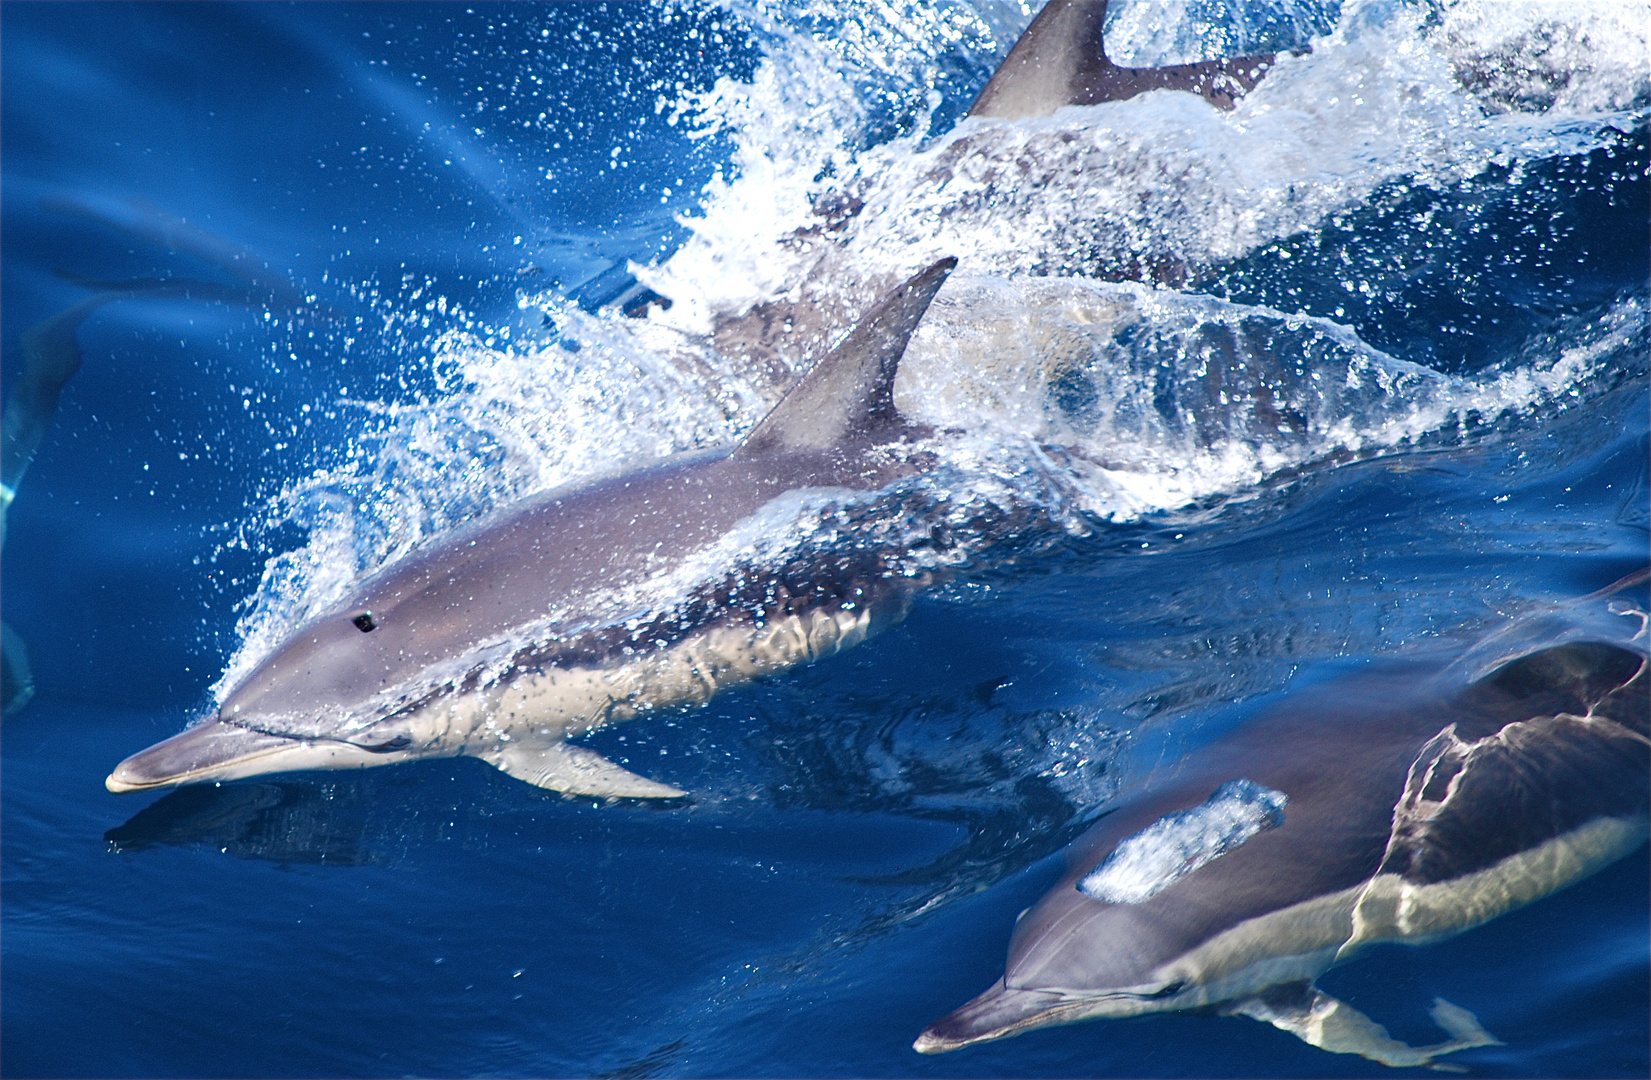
(1380, 808)
(411, 667)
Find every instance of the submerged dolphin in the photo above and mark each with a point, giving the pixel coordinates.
(51, 357)
(499, 642)
(1375, 809)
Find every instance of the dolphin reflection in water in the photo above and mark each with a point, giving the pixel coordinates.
(1401, 806)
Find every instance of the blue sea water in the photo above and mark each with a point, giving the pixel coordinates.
(1414, 262)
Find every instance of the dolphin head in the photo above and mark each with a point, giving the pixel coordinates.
(1120, 935)
(1072, 958)
(332, 696)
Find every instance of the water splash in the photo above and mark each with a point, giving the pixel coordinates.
(1175, 845)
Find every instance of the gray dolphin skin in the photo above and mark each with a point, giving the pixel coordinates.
(1061, 60)
(1390, 807)
(427, 658)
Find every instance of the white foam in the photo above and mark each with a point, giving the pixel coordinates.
(1554, 56)
(1183, 397)
(1175, 845)
(1164, 176)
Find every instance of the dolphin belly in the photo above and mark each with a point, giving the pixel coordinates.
(521, 726)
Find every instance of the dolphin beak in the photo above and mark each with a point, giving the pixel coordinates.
(210, 751)
(999, 1012)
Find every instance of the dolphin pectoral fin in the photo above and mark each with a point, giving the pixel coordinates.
(1333, 1025)
(1320, 1020)
(574, 770)
(1463, 1027)
(16, 680)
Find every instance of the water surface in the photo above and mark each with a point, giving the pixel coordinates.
(1393, 400)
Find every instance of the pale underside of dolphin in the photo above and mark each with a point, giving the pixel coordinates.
(411, 666)
(1381, 808)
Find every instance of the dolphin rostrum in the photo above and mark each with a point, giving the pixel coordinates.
(1383, 808)
(501, 641)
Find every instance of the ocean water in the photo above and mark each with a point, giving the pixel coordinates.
(1385, 396)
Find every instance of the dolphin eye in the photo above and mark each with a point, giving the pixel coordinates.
(1169, 991)
(364, 622)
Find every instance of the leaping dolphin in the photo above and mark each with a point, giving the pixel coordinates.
(394, 676)
(1376, 809)
(499, 642)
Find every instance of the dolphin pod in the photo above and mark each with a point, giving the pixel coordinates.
(403, 670)
(1398, 806)
(1401, 805)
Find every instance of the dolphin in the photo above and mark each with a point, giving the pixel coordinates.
(1396, 806)
(500, 641)
(51, 356)
(1060, 60)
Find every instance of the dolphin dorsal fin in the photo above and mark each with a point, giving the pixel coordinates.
(1061, 60)
(850, 392)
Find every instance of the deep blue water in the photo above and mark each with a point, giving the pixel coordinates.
(862, 832)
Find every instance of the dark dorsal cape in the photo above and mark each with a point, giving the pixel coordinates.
(1061, 60)
(1577, 748)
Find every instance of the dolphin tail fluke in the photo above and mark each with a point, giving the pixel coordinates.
(1320, 1020)
(1061, 60)
(575, 770)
